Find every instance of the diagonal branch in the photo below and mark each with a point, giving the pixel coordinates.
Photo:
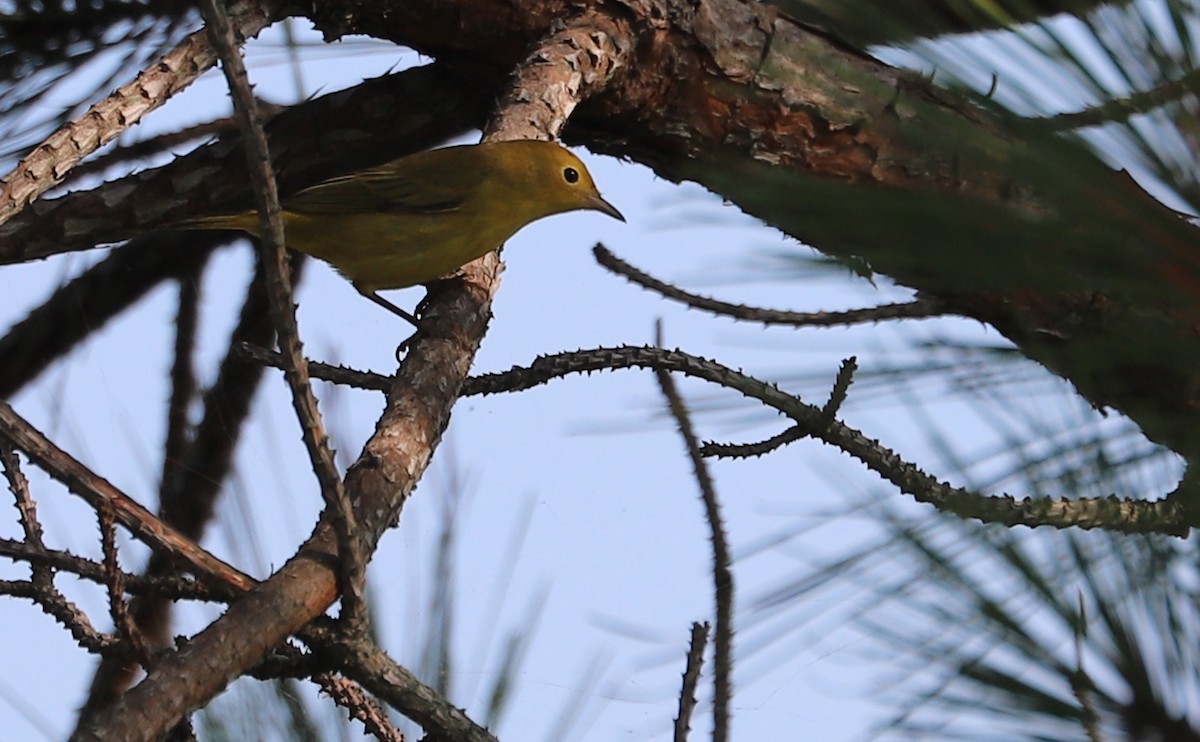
(96, 490)
(283, 307)
(91, 299)
(375, 121)
(50, 162)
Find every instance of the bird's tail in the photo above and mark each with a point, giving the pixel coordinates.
(246, 222)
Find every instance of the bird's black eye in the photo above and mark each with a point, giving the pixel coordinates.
(571, 175)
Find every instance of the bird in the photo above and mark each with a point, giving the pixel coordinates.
(423, 216)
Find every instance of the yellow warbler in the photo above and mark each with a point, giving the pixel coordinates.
(421, 217)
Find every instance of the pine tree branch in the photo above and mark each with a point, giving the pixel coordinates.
(51, 161)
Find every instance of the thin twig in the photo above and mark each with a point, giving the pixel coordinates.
(922, 308)
(691, 676)
(723, 589)
(168, 586)
(66, 613)
(283, 311)
(1168, 516)
(1081, 684)
(837, 397)
(795, 433)
(367, 380)
(118, 609)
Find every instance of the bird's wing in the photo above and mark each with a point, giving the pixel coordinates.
(382, 190)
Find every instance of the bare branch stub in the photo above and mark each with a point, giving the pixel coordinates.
(841, 387)
(691, 676)
(351, 697)
(19, 486)
(360, 660)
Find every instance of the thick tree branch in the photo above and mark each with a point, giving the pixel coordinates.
(86, 303)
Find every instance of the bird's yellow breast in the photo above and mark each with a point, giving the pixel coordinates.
(393, 251)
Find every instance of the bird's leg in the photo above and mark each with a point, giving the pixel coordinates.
(390, 306)
(407, 316)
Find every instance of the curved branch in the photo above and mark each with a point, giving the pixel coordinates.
(722, 573)
(1170, 516)
(921, 308)
(1127, 516)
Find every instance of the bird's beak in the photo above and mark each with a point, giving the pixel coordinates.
(599, 204)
